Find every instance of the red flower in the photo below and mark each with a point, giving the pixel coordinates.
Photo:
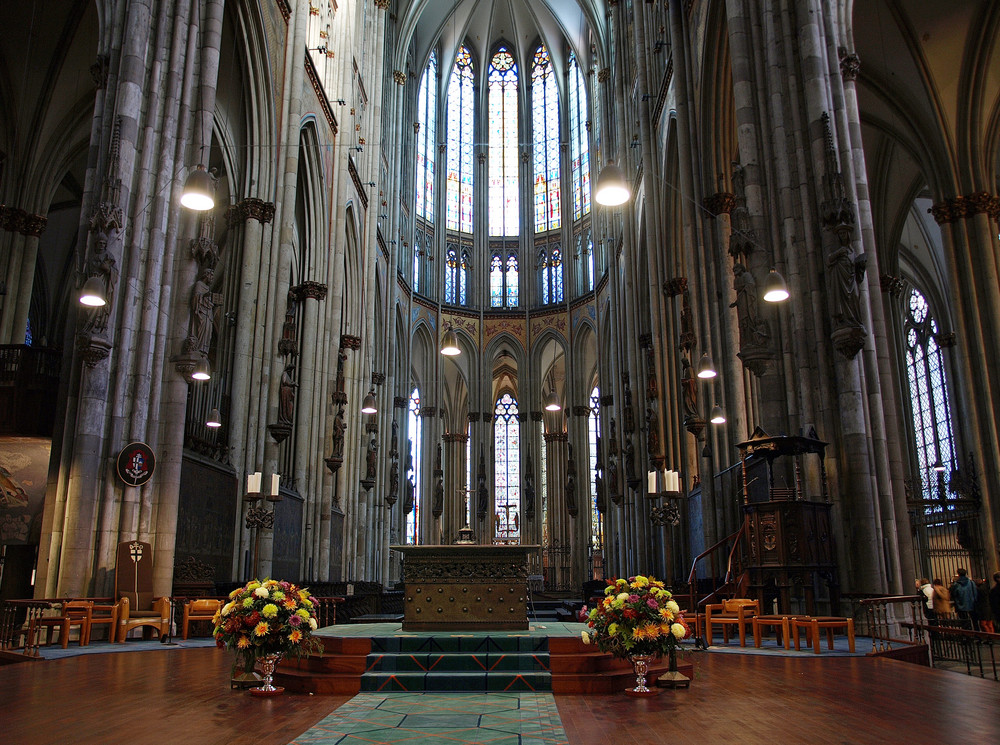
(630, 613)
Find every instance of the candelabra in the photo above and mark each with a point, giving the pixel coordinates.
(668, 513)
(258, 517)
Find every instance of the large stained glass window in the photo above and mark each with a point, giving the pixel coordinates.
(458, 202)
(928, 396)
(545, 136)
(511, 280)
(507, 480)
(423, 196)
(502, 137)
(456, 274)
(413, 467)
(496, 281)
(579, 147)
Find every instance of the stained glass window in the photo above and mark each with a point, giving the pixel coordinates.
(545, 135)
(593, 432)
(413, 468)
(579, 147)
(507, 479)
(496, 281)
(463, 277)
(416, 266)
(426, 138)
(928, 396)
(511, 280)
(458, 202)
(502, 136)
(551, 274)
(451, 273)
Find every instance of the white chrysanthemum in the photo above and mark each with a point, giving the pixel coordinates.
(313, 624)
(677, 630)
(585, 637)
(671, 605)
(261, 592)
(228, 608)
(623, 596)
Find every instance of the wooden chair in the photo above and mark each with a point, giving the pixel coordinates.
(738, 612)
(73, 613)
(137, 607)
(198, 610)
(105, 613)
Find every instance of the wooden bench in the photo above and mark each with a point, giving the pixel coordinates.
(813, 624)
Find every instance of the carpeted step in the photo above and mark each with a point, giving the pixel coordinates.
(458, 644)
(452, 662)
(457, 681)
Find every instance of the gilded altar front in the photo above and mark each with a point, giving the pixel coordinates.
(468, 587)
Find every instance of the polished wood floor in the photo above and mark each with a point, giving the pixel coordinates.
(183, 696)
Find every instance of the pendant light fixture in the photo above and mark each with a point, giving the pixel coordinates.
(718, 416)
(202, 370)
(369, 406)
(198, 190)
(775, 289)
(552, 401)
(214, 418)
(449, 344)
(611, 189)
(706, 370)
(92, 293)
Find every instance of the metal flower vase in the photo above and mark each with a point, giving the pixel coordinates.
(267, 665)
(640, 664)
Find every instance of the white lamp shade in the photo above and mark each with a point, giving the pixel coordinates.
(369, 406)
(706, 369)
(92, 293)
(775, 289)
(197, 194)
(552, 402)
(449, 344)
(214, 418)
(202, 371)
(718, 416)
(611, 189)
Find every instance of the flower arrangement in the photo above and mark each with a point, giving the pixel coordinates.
(637, 616)
(266, 617)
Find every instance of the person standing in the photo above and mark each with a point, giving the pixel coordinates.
(963, 594)
(942, 599)
(926, 593)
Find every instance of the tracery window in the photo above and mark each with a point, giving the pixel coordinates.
(593, 432)
(427, 120)
(456, 274)
(503, 279)
(550, 266)
(507, 478)
(928, 395)
(579, 147)
(545, 136)
(503, 135)
(458, 201)
(413, 470)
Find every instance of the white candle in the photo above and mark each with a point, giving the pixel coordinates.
(256, 483)
(666, 480)
(274, 484)
(249, 483)
(651, 482)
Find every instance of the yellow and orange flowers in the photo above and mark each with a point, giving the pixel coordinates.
(637, 616)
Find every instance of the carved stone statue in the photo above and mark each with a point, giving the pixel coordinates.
(410, 487)
(393, 494)
(628, 457)
(652, 433)
(288, 344)
(529, 490)
(371, 458)
(339, 426)
(753, 330)
(845, 274)
(571, 484)
(286, 395)
(204, 308)
(482, 495)
(628, 421)
(101, 264)
(438, 507)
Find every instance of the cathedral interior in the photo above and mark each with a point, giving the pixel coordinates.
(583, 205)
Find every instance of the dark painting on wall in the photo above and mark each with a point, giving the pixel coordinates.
(24, 467)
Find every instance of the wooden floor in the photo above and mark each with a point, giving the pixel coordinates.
(183, 696)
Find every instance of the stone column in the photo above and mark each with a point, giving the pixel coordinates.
(454, 516)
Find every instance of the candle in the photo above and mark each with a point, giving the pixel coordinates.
(651, 482)
(255, 487)
(274, 484)
(249, 483)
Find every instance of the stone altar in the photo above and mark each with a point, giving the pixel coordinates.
(469, 587)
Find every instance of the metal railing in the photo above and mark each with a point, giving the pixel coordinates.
(953, 641)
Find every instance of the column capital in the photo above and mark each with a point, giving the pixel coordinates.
(349, 341)
(675, 286)
(850, 64)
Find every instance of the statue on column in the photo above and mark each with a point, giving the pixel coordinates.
(689, 386)
(753, 330)
(482, 495)
(339, 426)
(571, 484)
(652, 433)
(408, 499)
(438, 505)
(846, 274)
(204, 309)
(529, 490)
(628, 455)
(371, 459)
(101, 264)
(286, 395)
(614, 490)
(288, 344)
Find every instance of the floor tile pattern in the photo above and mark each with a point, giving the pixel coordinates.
(441, 718)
